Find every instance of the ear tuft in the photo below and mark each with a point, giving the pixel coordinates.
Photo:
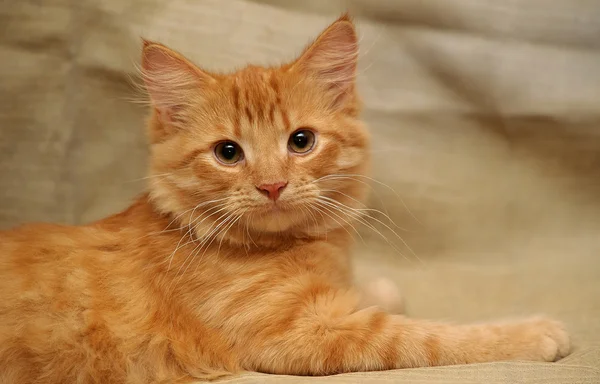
(170, 79)
(146, 43)
(345, 17)
(333, 57)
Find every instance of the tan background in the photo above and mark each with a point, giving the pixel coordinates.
(485, 116)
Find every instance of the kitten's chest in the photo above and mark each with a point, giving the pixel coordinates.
(240, 272)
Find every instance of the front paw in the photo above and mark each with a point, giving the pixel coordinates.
(538, 339)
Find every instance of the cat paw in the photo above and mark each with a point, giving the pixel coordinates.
(555, 343)
(540, 339)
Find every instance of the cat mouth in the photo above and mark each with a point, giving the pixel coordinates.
(275, 207)
(276, 217)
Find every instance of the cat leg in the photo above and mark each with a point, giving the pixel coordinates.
(384, 293)
(321, 332)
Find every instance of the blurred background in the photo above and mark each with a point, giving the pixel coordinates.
(485, 116)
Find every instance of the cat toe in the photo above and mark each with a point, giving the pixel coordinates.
(555, 343)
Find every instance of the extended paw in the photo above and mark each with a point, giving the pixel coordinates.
(555, 342)
(539, 339)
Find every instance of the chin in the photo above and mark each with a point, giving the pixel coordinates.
(276, 219)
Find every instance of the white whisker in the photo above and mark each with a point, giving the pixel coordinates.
(362, 210)
(318, 209)
(370, 226)
(362, 219)
(223, 231)
(191, 229)
(198, 248)
(332, 211)
(162, 175)
(354, 176)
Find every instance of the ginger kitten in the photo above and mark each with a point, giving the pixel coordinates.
(237, 257)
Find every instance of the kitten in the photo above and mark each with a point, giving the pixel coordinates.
(237, 257)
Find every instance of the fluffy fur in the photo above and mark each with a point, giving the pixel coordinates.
(205, 276)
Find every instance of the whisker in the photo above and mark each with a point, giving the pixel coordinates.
(183, 213)
(314, 219)
(324, 206)
(354, 216)
(223, 232)
(362, 220)
(189, 231)
(248, 231)
(333, 218)
(216, 235)
(344, 194)
(350, 176)
(198, 247)
(162, 175)
(228, 228)
(343, 177)
(363, 209)
(322, 217)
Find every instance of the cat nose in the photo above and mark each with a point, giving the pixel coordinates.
(272, 191)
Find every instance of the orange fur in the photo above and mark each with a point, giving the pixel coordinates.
(204, 276)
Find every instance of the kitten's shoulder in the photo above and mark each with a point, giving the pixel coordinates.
(30, 232)
(36, 239)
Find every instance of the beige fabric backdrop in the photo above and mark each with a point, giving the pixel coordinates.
(486, 122)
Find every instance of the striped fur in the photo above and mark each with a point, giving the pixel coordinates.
(203, 276)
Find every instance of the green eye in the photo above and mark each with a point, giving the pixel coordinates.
(301, 141)
(228, 152)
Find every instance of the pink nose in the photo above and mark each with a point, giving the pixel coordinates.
(272, 191)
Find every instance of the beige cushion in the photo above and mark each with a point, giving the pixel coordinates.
(486, 122)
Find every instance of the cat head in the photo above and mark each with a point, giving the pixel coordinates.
(263, 153)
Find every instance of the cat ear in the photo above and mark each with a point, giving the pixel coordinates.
(171, 81)
(332, 59)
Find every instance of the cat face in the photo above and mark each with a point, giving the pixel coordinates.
(263, 151)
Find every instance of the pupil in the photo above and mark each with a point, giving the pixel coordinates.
(228, 151)
(300, 140)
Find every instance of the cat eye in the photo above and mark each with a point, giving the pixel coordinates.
(228, 152)
(301, 141)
